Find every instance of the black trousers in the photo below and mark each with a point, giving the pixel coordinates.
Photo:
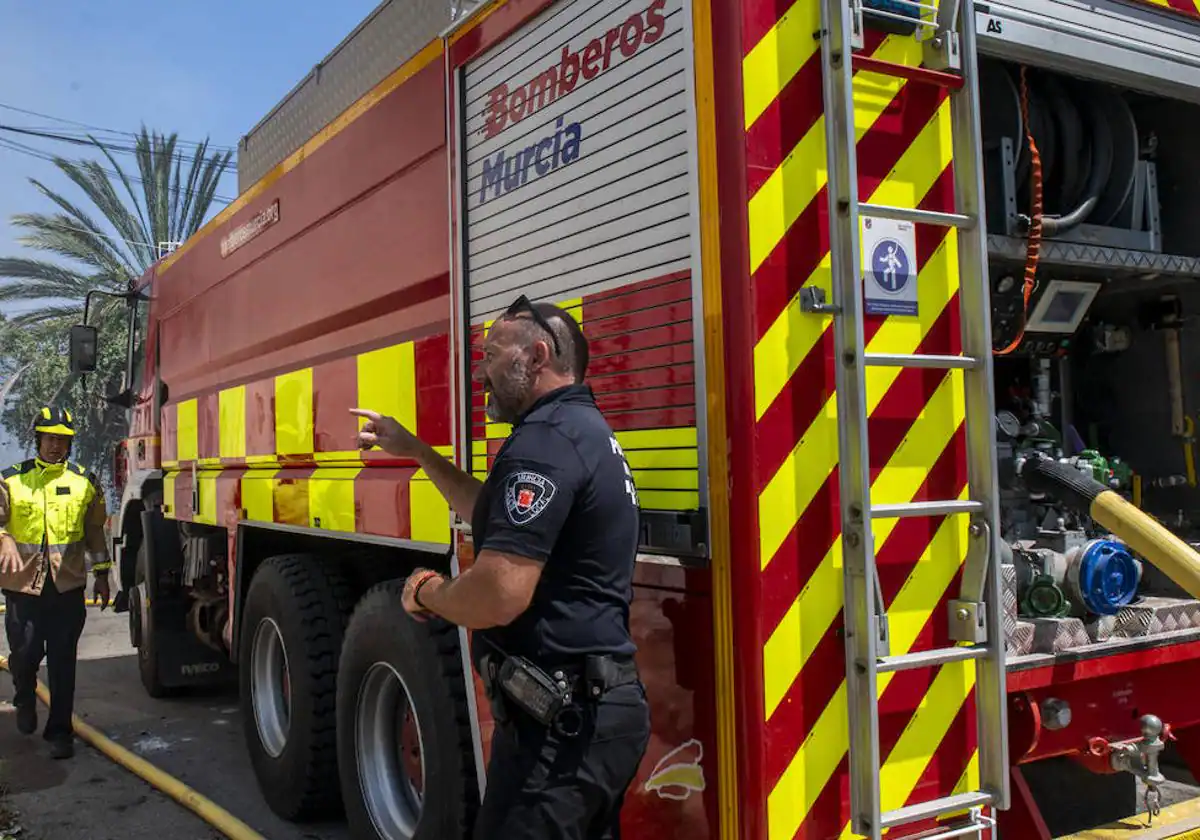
(544, 786)
(45, 626)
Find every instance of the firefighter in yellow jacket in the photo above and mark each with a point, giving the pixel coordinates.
(52, 516)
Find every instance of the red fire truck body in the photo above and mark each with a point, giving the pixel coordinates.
(657, 167)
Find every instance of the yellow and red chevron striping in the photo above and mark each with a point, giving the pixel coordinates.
(915, 430)
(1186, 7)
(807, 698)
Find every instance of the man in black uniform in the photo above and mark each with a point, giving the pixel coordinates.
(555, 531)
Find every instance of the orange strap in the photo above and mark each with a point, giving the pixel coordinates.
(1033, 251)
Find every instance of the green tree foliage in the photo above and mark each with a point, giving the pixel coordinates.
(166, 201)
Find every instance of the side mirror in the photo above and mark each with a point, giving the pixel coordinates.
(82, 355)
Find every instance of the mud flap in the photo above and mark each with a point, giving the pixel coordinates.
(182, 659)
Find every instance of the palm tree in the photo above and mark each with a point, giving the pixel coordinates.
(166, 202)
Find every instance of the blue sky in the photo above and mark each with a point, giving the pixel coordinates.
(199, 69)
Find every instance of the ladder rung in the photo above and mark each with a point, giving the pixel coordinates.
(911, 509)
(953, 81)
(909, 214)
(935, 807)
(919, 360)
(974, 827)
(930, 658)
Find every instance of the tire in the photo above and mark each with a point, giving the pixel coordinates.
(295, 610)
(141, 631)
(387, 651)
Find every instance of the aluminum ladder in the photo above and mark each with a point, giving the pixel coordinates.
(975, 617)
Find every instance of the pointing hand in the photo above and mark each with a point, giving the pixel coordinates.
(387, 434)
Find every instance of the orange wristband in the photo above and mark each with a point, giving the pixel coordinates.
(428, 576)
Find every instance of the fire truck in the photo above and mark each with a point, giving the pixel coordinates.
(892, 307)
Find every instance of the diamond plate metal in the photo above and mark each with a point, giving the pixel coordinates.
(1008, 577)
(391, 35)
(1077, 255)
(1020, 639)
(1136, 621)
(1153, 615)
(1101, 628)
(1055, 635)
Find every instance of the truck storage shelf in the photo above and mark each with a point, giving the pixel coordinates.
(1077, 255)
(1096, 650)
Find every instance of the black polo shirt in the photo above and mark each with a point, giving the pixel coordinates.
(560, 492)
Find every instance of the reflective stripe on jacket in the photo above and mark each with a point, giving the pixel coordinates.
(56, 514)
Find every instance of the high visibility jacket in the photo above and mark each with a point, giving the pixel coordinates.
(56, 514)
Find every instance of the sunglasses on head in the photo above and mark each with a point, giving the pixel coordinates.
(524, 304)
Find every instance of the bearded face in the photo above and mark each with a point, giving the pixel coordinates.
(508, 386)
(504, 372)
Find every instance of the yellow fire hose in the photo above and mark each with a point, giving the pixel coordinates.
(1140, 531)
(209, 811)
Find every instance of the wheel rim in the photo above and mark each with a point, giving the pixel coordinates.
(391, 768)
(270, 687)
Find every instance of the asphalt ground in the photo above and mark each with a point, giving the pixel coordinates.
(197, 738)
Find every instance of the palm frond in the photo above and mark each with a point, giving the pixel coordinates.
(213, 170)
(133, 198)
(60, 234)
(71, 283)
(131, 229)
(107, 255)
(190, 195)
(93, 180)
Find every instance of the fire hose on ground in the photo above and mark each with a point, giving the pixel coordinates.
(209, 811)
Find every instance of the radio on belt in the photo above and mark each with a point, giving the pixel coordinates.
(535, 692)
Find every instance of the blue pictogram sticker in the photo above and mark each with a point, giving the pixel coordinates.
(891, 280)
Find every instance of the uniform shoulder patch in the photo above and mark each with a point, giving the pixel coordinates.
(18, 469)
(526, 495)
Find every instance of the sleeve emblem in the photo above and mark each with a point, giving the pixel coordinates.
(526, 495)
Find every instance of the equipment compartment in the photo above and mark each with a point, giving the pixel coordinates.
(1094, 333)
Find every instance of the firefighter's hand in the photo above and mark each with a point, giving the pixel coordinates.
(384, 432)
(10, 558)
(101, 590)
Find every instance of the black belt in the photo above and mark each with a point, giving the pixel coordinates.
(598, 675)
(552, 698)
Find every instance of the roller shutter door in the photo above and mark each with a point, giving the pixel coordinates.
(577, 178)
(1134, 45)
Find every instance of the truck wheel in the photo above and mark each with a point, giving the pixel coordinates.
(404, 734)
(141, 632)
(292, 625)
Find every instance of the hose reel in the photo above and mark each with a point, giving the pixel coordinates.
(1087, 139)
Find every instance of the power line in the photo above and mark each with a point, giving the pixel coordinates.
(79, 141)
(61, 226)
(88, 127)
(21, 148)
